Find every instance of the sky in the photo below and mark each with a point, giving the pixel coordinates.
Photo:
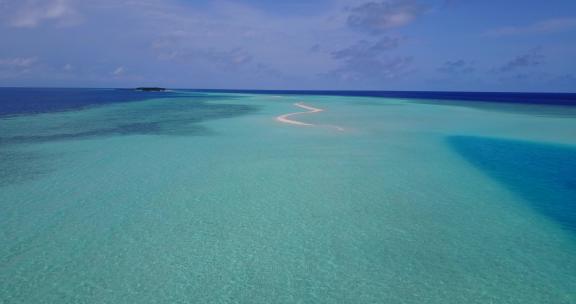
(424, 45)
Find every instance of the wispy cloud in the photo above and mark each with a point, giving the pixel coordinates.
(371, 60)
(16, 66)
(541, 27)
(119, 71)
(365, 48)
(378, 17)
(457, 67)
(32, 13)
(373, 69)
(18, 62)
(533, 58)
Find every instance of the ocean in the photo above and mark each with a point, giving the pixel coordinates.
(220, 196)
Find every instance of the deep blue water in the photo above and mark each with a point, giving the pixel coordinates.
(543, 174)
(518, 98)
(16, 101)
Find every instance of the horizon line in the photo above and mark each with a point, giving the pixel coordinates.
(293, 90)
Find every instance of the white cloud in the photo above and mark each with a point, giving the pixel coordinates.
(18, 62)
(32, 13)
(16, 66)
(546, 26)
(119, 71)
(377, 17)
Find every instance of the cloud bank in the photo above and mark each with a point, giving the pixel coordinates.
(345, 44)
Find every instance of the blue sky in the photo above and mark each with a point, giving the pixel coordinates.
(506, 45)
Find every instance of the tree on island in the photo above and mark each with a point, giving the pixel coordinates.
(151, 89)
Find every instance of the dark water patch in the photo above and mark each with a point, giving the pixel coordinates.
(543, 174)
(18, 166)
(163, 118)
(182, 116)
(540, 110)
(567, 99)
(21, 101)
(150, 128)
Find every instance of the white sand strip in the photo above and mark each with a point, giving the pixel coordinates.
(285, 118)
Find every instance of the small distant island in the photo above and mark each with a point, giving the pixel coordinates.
(151, 89)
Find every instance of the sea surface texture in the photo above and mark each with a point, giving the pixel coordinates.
(115, 196)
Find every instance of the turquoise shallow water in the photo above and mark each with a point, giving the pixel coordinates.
(211, 200)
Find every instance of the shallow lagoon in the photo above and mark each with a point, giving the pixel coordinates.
(205, 197)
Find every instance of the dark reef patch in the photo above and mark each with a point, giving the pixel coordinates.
(181, 116)
(19, 166)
